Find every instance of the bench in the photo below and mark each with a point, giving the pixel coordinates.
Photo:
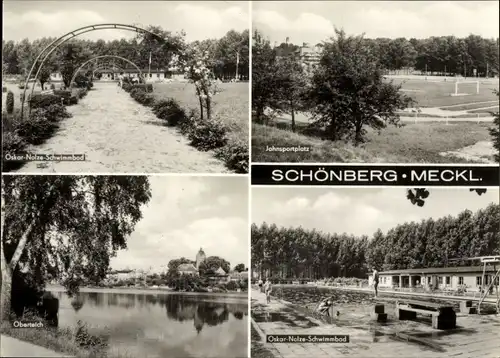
(378, 313)
(443, 315)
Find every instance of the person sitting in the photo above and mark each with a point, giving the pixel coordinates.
(325, 305)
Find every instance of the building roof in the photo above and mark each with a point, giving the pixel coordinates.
(186, 267)
(220, 271)
(240, 275)
(430, 270)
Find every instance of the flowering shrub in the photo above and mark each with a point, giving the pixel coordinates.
(198, 71)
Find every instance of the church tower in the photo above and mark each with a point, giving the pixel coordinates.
(200, 257)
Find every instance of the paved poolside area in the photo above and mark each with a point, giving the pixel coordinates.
(476, 336)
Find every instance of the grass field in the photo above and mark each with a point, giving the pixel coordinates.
(230, 106)
(14, 87)
(438, 93)
(413, 143)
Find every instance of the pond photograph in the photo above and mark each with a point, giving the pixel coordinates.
(125, 266)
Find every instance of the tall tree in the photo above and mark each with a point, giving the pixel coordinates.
(349, 93)
(264, 79)
(66, 227)
(71, 56)
(291, 84)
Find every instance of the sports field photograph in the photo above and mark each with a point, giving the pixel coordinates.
(392, 82)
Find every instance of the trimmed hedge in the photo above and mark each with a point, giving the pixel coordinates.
(67, 97)
(146, 99)
(44, 100)
(236, 156)
(147, 87)
(37, 127)
(208, 134)
(10, 102)
(204, 134)
(169, 111)
(12, 143)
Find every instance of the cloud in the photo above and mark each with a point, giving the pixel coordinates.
(204, 22)
(305, 22)
(315, 22)
(56, 24)
(184, 214)
(224, 200)
(226, 237)
(357, 211)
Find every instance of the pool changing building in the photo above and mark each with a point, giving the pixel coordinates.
(442, 278)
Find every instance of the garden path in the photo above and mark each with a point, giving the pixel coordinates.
(12, 347)
(118, 135)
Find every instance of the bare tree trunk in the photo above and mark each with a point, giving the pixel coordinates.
(200, 100)
(8, 269)
(209, 107)
(5, 293)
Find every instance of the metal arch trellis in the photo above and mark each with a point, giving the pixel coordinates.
(47, 51)
(103, 56)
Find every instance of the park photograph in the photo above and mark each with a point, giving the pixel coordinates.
(402, 272)
(124, 266)
(125, 87)
(375, 82)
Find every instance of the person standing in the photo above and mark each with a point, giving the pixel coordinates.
(267, 290)
(375, 281)
(260, 285)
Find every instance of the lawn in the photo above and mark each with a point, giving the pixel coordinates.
(438, 93)
(413, 143)
(14, 88)
(230, 106)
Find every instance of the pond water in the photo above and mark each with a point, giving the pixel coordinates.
(161, 324)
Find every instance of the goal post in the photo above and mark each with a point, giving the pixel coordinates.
(457, 83)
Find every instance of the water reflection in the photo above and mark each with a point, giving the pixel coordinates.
(178, 307)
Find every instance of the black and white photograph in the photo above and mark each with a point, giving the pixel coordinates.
(124, 266)
(375, 81)
(122, 87)
(401, 272)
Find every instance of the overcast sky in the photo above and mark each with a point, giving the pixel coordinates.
(200, 19)
(186, 213)
(314, 21)
(358, 211)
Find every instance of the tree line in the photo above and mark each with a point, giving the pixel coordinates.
(439, 55)
(347, 92)
(208, 266)
(18, 57)
(447, 241)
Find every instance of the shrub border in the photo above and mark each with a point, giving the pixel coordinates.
(22, 142)
(234, 153)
